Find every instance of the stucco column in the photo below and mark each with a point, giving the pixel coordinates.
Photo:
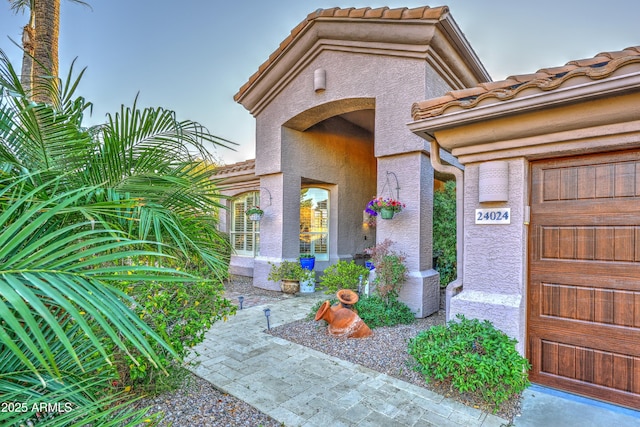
(279, 227)
(411, 230)
(495, 256)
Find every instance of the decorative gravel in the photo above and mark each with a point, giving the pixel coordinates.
(198, 403)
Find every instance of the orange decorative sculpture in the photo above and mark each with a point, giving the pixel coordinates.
(343, 322)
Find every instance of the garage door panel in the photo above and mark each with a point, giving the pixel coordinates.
(588, 212)
(589, 303)
(610, 275)
(599, 176)
(588, 334)
(577, 365)
(589, 242)
(584, 275)
(584, 363)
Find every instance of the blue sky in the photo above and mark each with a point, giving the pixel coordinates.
(192, 56)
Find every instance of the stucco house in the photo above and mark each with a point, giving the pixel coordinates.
(363, 102)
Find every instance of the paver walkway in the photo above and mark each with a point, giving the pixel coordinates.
(299, 386)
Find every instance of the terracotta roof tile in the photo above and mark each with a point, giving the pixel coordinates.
(589, 62)
(246, 165)
(600, 66)
(322, 12)
(555, 71)
(358, 13)
(469, 92)
(394, 13)
(500, 84)
(429, 103)
(522, 78)
(342, 13)
(376, 13)
(424, 12)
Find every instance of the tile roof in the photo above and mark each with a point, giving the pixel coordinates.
(404, 13)
(545, 79)
(247, 165)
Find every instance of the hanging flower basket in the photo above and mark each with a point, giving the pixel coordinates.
(385, 207)
(387, 213)
(254, 213)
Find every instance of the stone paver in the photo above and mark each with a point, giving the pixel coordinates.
(302, 387)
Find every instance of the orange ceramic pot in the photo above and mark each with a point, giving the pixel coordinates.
(342, 321)
(348, 298)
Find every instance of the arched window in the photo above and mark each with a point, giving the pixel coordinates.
(245, 234)
(314, 222)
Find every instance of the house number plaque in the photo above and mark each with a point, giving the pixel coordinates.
(493, 216)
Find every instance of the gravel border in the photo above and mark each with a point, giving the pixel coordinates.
(199, 403)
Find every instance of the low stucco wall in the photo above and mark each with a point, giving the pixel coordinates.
(241, 265)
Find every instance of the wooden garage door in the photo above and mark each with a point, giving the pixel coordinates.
(584, 288)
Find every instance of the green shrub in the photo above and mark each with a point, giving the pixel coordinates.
(474, 356)
(391, 272)
(179, 312)
(377, 312)
(343, 275)
(287, 270)
(444, 232)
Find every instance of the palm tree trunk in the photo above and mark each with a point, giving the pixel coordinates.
(47, 25)
(27, 57)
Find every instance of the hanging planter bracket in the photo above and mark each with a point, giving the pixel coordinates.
(387, 186)
(268, 192)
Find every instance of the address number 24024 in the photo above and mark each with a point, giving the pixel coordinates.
(493, 216)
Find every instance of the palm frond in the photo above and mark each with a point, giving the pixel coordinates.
(41, 280)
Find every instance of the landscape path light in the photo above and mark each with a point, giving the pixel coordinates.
(267, 313)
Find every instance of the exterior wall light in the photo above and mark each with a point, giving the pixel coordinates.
(493, 182)
(320, 80)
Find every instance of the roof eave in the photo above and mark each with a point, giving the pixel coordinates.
(458, 39)
(428, 127)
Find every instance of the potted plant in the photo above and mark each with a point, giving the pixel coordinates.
(307, 261)
(254, 213)
(289, 274)
(385, 206)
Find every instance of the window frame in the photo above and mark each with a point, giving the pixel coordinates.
(242, 227)
(314, 237)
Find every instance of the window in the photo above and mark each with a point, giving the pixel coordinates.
(245, 234)
(314, 222)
